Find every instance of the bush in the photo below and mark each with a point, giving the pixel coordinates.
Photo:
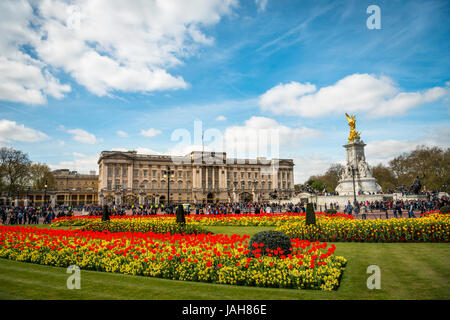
(272, 240)
(310, 214)
(445, 209)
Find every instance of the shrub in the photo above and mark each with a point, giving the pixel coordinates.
(445, 209)
(310, 214)
(271, 240)
(105, 216)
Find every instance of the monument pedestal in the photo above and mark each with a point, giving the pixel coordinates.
(357, 170)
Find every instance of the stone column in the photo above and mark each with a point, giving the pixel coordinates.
(118, 199)
(53, 200)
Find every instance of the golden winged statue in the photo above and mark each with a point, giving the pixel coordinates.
(352, 124)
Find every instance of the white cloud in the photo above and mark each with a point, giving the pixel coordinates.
(122, 134)
(142, 150)
(81, 163)
(261, 4)
(105, 45)
(23, 78)
(139, 150)
(182, 150)
(150, 132)
(221, 118)
(377, 96)
(382, 151)
(83, 136)
(11, 131)
(311, 164)
(263, 137)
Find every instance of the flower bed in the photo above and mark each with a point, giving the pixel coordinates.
(202, 257)
(273, 219)
(433, 228)
(143, 225)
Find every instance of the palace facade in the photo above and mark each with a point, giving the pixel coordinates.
(71, 189)
(199, 177)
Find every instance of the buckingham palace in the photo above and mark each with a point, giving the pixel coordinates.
(199, 177)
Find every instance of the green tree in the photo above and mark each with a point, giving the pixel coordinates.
(431, 164)
(385, 177)
(39, 175)
(14, 170)
(329, 180)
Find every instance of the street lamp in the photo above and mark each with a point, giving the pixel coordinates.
(45, 194)
(168, 174)
(28, 190)
(354, 170)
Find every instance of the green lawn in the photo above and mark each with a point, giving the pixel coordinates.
(408, 271)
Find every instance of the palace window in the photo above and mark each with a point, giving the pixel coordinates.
(136, 172)
(145, 173)
(124, 171)
(117, 172)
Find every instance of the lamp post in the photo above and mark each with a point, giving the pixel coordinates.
(168, 174)
(354, 170)
(28, 190)
(45, 194)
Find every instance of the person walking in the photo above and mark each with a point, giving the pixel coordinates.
(411, 212)
(363, 212)
(349, 208)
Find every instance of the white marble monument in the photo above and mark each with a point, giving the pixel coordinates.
(356, 171)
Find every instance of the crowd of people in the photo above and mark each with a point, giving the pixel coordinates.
(398, 207)
(45, 215)
(30, 214)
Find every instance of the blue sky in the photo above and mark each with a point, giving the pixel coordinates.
(67, 90)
